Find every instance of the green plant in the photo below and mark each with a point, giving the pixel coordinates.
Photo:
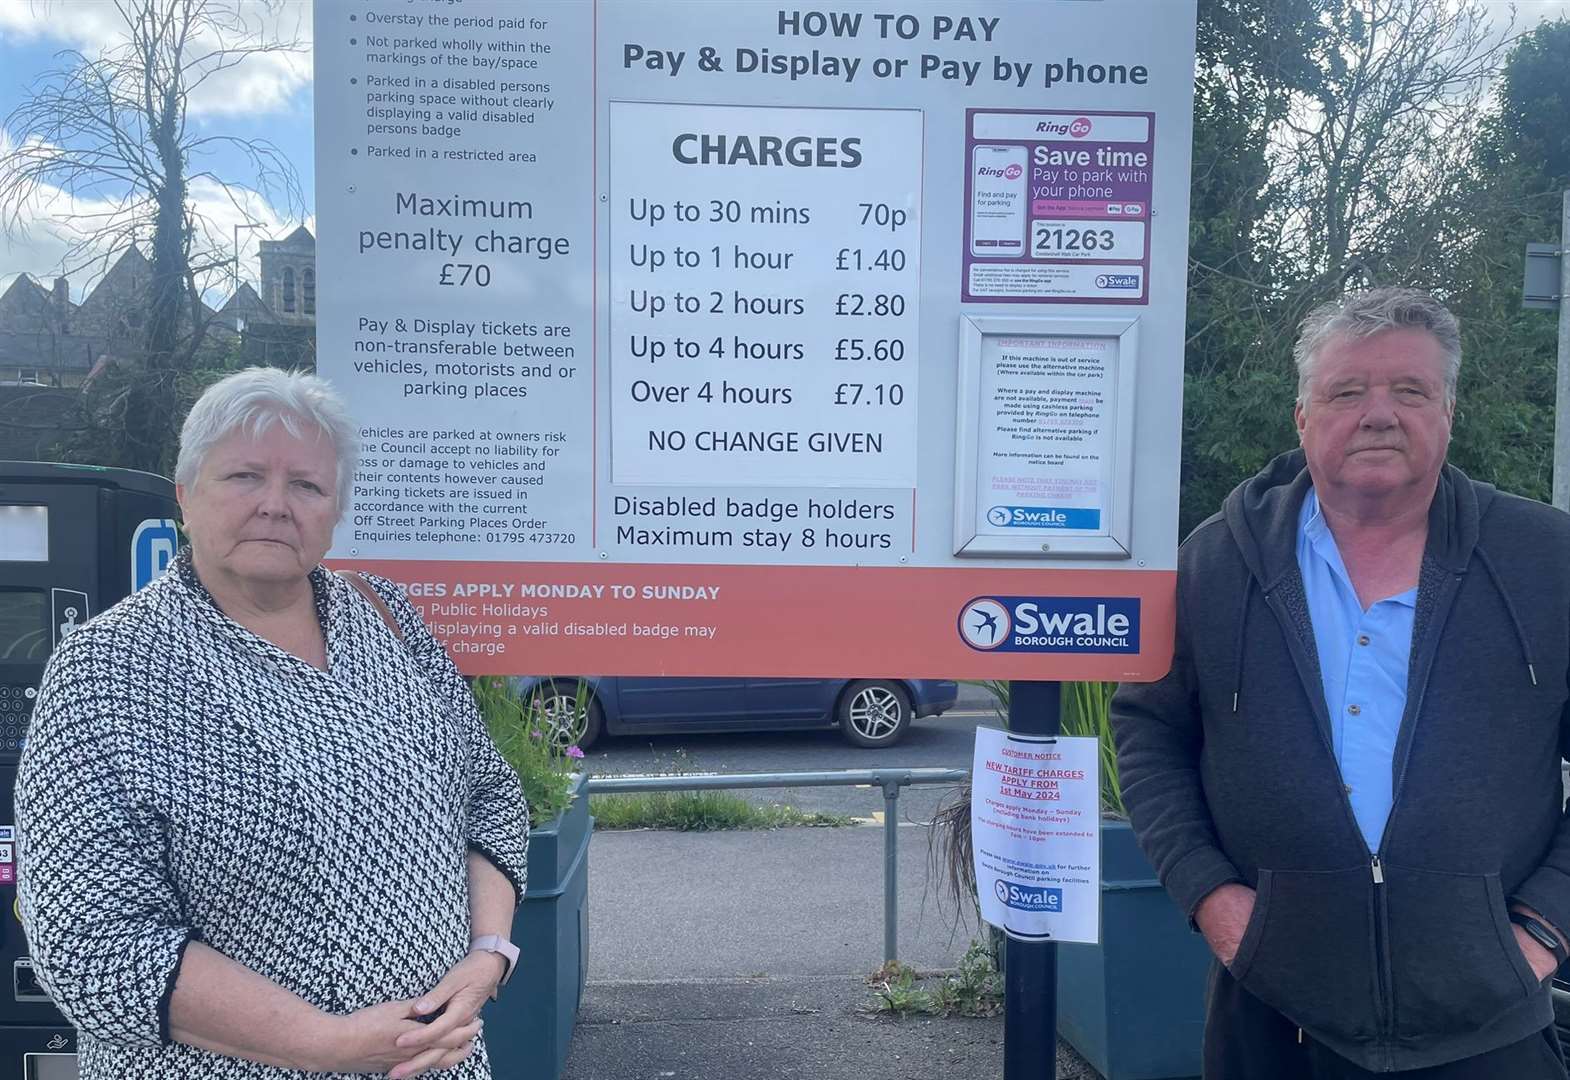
(1087, 711)
(699, 811)
(521, 733)
(973, 989)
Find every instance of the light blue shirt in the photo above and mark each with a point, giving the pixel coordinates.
(1363, 661)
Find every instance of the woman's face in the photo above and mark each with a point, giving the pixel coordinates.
(262, 508)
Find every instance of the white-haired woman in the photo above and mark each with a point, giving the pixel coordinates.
(263, 831)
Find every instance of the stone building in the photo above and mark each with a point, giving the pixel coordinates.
(289, 277)
(47, 340)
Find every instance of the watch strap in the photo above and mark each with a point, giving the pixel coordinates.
(1541, 933)
(495, 943)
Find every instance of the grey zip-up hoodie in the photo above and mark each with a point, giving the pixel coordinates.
(1403, 957)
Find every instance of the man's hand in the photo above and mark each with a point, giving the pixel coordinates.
(369, 1041)
(459, 997)
(1541, 960)
(1222, 916)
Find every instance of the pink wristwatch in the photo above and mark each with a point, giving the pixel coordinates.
(501, 947)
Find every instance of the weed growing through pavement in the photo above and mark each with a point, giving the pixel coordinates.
(973, 989)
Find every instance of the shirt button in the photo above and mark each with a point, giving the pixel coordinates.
(1362, 639)
(1355, 710)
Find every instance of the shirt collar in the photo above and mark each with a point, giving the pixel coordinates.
(328, 605)
(1315, 531)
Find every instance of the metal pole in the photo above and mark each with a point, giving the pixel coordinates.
(1030, 968)
(1562, 395)
(890, 871)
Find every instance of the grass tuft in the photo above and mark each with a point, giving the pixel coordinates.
(700, 811)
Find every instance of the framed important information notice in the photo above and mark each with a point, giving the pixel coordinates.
(1046, 438)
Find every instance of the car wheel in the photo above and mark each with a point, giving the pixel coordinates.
(874, 713)
(569, 713)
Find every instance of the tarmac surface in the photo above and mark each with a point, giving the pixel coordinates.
(745, 955)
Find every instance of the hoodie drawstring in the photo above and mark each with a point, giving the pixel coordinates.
(1520, 632)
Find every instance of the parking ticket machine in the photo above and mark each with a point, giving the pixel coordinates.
(74, 539)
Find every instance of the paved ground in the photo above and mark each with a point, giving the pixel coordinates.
(743, 956)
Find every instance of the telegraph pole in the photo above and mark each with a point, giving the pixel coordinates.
(1547, 287)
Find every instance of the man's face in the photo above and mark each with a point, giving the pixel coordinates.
(1375, 422)
(262, 510)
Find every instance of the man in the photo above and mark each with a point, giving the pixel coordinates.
(1350, 779)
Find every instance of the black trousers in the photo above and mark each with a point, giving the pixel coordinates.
(1245, 1039)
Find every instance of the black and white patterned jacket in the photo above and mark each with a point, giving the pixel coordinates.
(186, 780)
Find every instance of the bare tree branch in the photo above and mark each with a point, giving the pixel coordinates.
(112, 130)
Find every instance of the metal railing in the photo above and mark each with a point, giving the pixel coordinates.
(890, 780)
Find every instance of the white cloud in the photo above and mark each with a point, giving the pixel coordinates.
(261, 83)
(1532, 12)
(45, 234)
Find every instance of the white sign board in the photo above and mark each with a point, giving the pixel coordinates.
(1035, 819)
(754, 339)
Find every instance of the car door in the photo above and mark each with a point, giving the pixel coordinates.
(792, 701)
(658, 701)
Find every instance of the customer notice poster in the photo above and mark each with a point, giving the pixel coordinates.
(1035, 818)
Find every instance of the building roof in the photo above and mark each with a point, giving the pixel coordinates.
(300, 240)
(245, 304)
(26, 301)
(35, 331)
(57, 352)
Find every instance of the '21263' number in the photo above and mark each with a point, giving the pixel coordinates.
(1050, 240)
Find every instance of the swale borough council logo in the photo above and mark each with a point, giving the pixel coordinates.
(985, 623)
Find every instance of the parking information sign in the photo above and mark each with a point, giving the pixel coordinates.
(763, 339)
(1035, 826)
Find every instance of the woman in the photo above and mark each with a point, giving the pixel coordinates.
(261, 821)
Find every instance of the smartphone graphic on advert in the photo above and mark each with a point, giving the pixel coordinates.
(998, 175)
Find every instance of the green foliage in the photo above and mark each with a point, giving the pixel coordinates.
(545, 767)
(1521, 163)
(1531, 126)
(974, 989)
(1337, 144)
(111, 426)
(700, 811)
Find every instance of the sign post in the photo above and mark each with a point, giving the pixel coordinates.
(1546, 285)
(1030, 968)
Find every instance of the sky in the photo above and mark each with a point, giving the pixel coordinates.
(267, 97)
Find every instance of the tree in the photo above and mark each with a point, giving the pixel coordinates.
(1520, 166)
(114, 128)
(1334, 149)
(1251, 63)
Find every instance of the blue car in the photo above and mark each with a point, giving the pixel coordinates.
(873, 713)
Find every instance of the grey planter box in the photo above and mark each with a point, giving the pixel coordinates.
(1134, 1006)
(528, 1030)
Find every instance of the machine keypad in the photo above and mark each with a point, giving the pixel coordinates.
(16, 706)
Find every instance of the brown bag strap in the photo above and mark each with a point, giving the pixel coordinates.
(365, 590)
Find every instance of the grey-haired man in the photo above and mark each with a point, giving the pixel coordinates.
(1350, 780)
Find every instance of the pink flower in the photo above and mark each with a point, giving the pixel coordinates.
(574, 752)
(534, 733)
